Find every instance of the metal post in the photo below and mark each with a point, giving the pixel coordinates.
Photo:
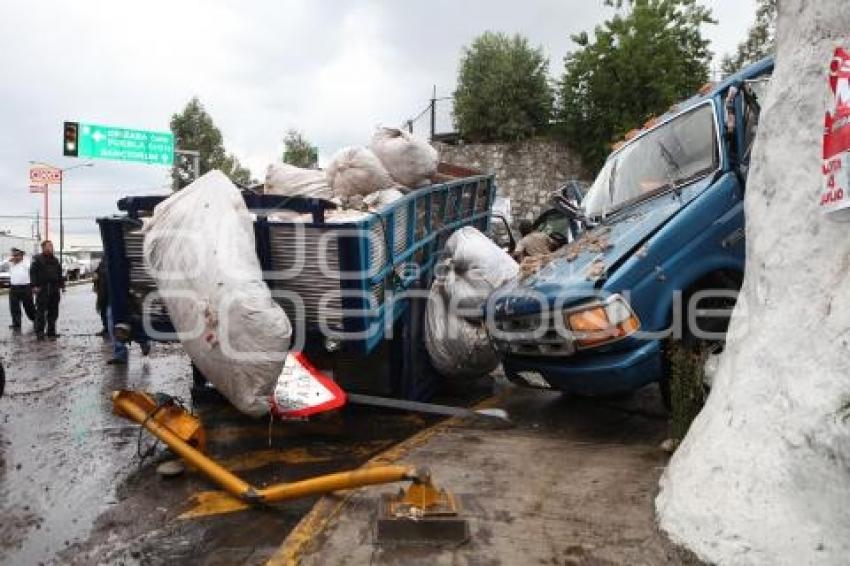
(46, 213)
(61, 222)
(434, 112)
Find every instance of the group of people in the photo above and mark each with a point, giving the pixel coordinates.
(35, 288)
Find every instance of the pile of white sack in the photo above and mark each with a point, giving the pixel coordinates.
(200, 249)
(455, 335)
(394, 160)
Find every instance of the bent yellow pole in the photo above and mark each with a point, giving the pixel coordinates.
(128, 404)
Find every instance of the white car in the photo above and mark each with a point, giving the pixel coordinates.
(71, 268)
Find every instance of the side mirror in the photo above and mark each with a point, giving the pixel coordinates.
(525, 227)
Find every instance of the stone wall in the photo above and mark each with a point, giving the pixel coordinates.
(526, 172)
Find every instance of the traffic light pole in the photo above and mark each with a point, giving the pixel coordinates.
(61, 223)
(46, 212)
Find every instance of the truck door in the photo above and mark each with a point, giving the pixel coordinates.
(749, 109)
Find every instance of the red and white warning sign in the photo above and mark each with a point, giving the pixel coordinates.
(302, 390)
(835, 196)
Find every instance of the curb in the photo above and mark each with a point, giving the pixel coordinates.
(328, 507)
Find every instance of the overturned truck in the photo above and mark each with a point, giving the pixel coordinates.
(353, 283)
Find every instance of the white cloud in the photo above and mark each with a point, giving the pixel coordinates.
(332, 69)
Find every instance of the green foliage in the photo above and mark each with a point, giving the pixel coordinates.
(503, 91)
(687, 387)
(760, 42)
(193, 129)
(647, 57)
(298, 151)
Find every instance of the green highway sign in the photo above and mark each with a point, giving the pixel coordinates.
(123, 144)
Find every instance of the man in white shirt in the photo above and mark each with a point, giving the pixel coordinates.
(20, 293)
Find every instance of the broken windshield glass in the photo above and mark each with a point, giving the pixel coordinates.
(676, 152)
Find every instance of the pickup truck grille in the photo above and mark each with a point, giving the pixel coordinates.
(518, 337)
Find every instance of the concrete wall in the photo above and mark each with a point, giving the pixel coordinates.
(526, 172)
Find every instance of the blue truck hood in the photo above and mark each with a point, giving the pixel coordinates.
(582, 266)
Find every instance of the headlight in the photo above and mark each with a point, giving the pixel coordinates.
(602, 323)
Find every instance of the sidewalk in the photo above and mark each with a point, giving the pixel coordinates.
(573, 482)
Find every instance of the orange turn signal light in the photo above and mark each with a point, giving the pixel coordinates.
(592, 326)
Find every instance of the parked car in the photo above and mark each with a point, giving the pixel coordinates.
(664, 240)
(71, 268)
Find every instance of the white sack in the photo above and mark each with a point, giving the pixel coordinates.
(380, 199)
(455, 336)
(763, 475)
(356, 171)
(288, 180)
(409, 160)
(199, 246)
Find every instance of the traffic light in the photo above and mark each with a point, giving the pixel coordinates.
(70, 145)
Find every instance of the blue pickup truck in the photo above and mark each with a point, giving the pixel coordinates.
(661, 257)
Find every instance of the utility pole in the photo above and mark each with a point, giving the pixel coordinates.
(433, 112)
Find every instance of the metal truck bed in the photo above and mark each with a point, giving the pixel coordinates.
(339, 281)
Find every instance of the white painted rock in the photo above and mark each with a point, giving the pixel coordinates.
(763, 477)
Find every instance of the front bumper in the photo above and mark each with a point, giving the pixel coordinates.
(592, 373)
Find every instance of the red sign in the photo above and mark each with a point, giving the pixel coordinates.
(835, 195)
(40, 175)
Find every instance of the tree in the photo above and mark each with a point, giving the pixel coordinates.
(503, 91)
(193, 129)
(638, 64)
(298, 151)
(760, 42)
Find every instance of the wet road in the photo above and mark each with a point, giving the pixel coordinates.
(72, 489)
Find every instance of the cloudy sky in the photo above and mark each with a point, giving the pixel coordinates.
(334, 69)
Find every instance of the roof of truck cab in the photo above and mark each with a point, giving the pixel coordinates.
(749, 72)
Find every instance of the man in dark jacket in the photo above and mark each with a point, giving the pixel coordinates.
(47, 283)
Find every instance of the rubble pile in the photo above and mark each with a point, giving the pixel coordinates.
(594, 241)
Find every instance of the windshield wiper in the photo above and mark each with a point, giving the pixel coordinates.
(672, 164)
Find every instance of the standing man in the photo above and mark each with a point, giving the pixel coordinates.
(20, 293)
(47, 283)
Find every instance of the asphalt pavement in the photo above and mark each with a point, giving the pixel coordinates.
(577, 474)
(73, 490)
